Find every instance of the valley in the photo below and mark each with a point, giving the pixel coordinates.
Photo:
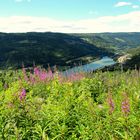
(63, 50)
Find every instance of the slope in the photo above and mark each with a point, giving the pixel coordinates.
(45, 48)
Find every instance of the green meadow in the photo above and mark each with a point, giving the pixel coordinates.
(41, 105)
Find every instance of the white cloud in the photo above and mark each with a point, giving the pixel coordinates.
(135, 6)
(129, 22)
(122, 3)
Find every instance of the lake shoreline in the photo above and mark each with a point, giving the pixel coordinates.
(105, 61)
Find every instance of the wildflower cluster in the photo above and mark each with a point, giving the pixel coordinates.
(41, 104)
(22, 95)
(111, 104)
(125, 106)
(38, 75)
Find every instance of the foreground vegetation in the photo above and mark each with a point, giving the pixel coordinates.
(39, 104)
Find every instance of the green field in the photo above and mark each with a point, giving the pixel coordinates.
(41, 105)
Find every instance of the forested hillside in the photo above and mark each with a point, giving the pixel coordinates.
(114, 41)
(134, 62)
(63, 49)
(119, 43)
(46, 48)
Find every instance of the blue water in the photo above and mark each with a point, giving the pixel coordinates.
(105, 61)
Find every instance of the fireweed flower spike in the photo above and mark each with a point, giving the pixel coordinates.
(22, 95)
(125, 105)
(43, 75)
(111, 104)
(24, 73)
(32, 79)
(36, 71)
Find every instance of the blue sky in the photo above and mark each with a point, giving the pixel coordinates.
(67, 13)
(64, 9)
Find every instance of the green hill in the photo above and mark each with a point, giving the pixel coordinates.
(46, 48)
(117, 42)
(63, 49)
(120, 43)
(134, 62)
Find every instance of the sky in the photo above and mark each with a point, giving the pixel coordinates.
(70, 16)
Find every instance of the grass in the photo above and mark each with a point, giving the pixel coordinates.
(41, 105)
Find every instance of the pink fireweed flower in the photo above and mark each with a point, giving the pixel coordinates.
(75, 77)
(32, 79)
(111, 104)
(24, 74)
(43, 75)
(61, 78)
(125, 105)
(36, 71)
(22, 95)
(50, 74)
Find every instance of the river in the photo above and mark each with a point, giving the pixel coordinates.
(105, 61)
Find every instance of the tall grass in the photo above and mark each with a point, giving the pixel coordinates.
(40, 104)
